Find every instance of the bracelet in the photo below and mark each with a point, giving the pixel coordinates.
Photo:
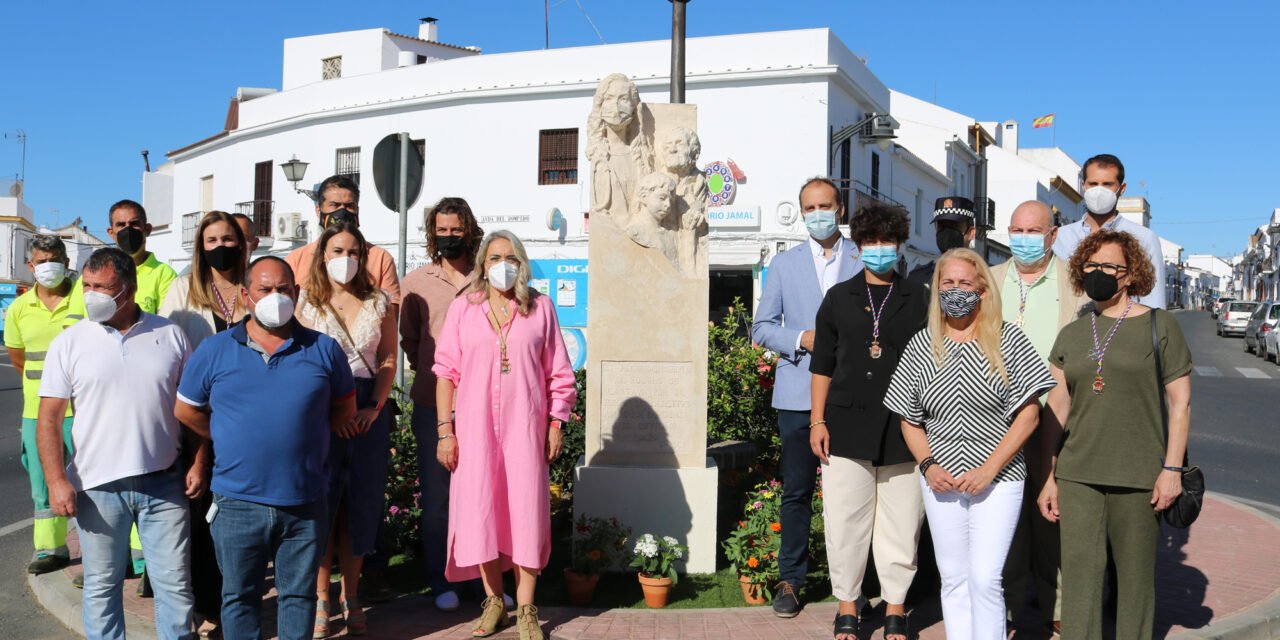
(926, 463)
(557, 425)
(444, 437)
(819, 422)
(441, 423)
(1176, 469)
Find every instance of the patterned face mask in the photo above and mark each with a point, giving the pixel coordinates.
(958, 303)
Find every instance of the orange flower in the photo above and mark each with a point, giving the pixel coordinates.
(753, 562)
(742, 523)
(594, 555)
(775, 527)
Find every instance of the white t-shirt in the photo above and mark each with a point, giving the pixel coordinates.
(123, 389)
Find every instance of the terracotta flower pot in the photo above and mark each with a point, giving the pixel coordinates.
(581, 587)
(752, 592)
(656, 590)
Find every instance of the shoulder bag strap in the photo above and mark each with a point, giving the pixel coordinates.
(1164, 409)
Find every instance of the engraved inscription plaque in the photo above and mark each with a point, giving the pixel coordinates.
(645, 411)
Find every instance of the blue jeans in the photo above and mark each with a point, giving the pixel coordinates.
(799, 468)
(104, 516)
(248, 535)
(433, 485)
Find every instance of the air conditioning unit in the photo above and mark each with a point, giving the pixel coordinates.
(290, 227)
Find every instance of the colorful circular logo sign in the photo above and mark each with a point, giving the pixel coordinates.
(720, 183)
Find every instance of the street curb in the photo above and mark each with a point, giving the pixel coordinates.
(65, 603)
(1259, 622)
(60, 598)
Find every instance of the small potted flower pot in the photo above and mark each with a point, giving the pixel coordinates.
(752, 592)
(581, 587)
(656, 590)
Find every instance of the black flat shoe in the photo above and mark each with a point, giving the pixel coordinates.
(846, 625)
(896, 625)
(785, 602)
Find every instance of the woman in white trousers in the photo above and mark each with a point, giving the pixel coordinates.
(967, 389)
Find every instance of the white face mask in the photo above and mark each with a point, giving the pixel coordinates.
(342, 269)
(274, 310)
(50, 274)
(100, 307)
(1100, 200)
(502, 276)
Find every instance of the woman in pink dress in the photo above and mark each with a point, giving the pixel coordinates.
(502, 354)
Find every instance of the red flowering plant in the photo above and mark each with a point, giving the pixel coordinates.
(752, 547)
(599, 545)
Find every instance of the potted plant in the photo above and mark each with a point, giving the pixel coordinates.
(598, 545)
(655, 559)
(753, 546)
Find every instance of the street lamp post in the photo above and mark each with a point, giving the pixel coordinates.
(677, 50)
(294, 171)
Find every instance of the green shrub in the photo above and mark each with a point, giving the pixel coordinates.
(740, 386)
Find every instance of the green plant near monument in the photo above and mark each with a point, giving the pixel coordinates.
(575, 437)
(656, 557)
(752, 547)
(402, 516)
(740, 386)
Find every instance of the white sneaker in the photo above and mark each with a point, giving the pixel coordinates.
(508, 602)
(447, 601)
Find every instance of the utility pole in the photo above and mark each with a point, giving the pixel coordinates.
(677, 50)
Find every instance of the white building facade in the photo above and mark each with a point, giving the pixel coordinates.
(768, 101)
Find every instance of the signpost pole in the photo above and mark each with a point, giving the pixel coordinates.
(402, 184)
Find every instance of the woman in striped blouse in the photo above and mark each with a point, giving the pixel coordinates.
(967, 388)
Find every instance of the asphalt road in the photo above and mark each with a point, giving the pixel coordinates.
(1235, 412)
(20, 615)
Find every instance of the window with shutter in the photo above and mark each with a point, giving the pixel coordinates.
(558, 156)
(347, 163)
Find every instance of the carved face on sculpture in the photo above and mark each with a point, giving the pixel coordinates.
(617, 100)
(656, 195)
(680, 149)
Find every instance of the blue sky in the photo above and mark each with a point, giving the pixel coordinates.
(1184, 94)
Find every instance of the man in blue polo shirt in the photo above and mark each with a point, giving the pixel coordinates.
(267, 392)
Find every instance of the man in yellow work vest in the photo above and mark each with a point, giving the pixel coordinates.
(34, 319)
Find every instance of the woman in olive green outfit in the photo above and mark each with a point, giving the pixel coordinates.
(1113, 471)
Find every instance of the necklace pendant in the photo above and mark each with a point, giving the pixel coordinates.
(875, 351)
(505, 364)
(1098, 385)
(1018, 323)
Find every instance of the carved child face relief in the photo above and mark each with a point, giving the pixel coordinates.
(656, 196)
(616, 108)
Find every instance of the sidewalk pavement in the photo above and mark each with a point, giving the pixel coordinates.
(1220, 579)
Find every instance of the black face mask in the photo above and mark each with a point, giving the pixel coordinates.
(222, 257)
(450, 247)
(130, 240)
(1100, 286)
(949, 239)
(341, 215)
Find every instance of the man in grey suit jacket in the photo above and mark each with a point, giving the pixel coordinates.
(794, 286)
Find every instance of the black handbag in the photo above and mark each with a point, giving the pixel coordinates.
(1186, 507)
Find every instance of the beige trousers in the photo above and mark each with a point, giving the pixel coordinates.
(876, 509)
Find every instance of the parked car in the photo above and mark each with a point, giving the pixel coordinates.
(1217, 305)
(1261, 322)
(1271, 339)
(1235, 317)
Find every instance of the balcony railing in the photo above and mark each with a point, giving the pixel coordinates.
(260, 212)
(190, 221)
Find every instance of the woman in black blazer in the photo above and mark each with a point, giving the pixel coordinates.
(869, 477)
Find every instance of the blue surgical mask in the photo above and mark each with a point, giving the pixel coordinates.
(880, 258)
(821, 223)
(1028, 248)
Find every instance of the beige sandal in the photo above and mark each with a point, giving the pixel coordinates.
(527, 622)
(492, 619)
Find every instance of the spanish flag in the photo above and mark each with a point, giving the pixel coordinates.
(1042, 122)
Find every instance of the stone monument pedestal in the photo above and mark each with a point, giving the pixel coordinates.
(679, 502)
